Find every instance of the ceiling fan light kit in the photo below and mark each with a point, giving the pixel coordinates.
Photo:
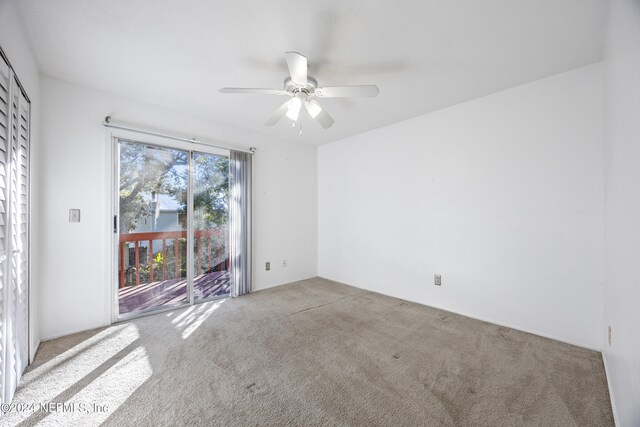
(303, 89)
(293, 107)
(313, 108)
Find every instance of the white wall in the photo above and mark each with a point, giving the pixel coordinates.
(75, 293)
(622, 214)
(15, 46)
(502, 195)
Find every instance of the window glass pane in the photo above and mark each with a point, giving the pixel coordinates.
(211, 230)
(152, 250)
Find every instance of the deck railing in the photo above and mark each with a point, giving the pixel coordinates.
(215, 239)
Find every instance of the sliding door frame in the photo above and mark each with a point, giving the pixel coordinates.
(113, 137)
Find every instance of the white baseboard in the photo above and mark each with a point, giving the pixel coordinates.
(73, 331)
(613, 402)
(288, 282)
(34, 350)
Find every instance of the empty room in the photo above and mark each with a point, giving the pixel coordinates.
(308, 213)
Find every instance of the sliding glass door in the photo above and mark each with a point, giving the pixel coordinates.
(211, 226)
(172, 213)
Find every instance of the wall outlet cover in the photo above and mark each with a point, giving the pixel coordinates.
(437, 280)
(74, 215)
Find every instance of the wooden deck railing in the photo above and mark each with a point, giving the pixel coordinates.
(216, 238)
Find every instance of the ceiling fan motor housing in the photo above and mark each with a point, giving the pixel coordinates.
(308, 89)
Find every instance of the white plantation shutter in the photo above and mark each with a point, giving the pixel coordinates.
(4, 161)
(18, 221)
(14, 238)
(21, 203)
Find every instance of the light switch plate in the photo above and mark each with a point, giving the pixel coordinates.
(267, 266)
(74, 215)
(437, 280)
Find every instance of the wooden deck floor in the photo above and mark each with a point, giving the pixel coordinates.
(172, 292)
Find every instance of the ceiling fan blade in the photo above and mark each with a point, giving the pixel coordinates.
(319, 114)
(257, 91)
(347, 91)
(277, 115)
(297, 67)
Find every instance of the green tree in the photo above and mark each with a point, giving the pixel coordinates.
(146, 169)
(211, 191)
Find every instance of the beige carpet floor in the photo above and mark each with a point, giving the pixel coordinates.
(311, 353)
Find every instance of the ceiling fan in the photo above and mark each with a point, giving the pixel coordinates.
(303, 90)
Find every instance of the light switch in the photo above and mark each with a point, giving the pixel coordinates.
(74, 215)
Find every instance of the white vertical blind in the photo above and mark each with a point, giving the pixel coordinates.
(240, 222)
(14, 229)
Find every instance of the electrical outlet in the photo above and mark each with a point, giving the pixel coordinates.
(609, 333)
(267, 266)
(284, 263)
(437, 280)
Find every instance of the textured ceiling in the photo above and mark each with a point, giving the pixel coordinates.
(423, 55)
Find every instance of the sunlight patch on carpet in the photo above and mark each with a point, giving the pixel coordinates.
(191, 320)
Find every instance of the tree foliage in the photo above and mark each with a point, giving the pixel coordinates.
(146, 169)
(211, 191)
